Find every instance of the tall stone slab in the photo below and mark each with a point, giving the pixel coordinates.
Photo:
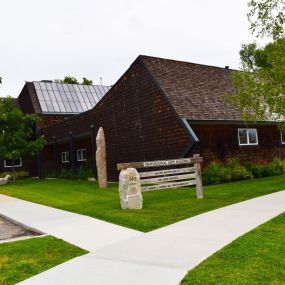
(101, 158)
(130, 189)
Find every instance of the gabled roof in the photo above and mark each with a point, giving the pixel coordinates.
(197, 92)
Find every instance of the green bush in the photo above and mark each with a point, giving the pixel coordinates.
(256, 170)
(237, 171)
(84, 172)
(276, 167)
(232, 170)
(21, 174)
(66, 174)
(215, 173)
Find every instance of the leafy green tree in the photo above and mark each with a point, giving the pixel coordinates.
(73, 80)
(16, 133)
(259, 89)
(267, 18)
(67, 80)
(86, 81)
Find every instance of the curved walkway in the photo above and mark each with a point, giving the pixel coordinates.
(165, 255)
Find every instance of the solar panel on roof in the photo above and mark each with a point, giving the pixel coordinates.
(68, 98)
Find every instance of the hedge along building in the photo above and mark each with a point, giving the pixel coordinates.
(53, 102)
(162, 109)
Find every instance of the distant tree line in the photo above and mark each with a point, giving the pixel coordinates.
(73, 80)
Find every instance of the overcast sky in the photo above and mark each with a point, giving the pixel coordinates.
(93, 39)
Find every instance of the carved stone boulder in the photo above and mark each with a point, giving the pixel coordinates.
(5, 180)
(130, 189)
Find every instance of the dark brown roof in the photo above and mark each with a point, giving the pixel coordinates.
(196, 91)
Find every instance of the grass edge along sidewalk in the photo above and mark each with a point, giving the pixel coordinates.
(23, 259)
(258, 257)
(160, 208)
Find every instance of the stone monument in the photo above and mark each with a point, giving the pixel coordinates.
(101, 159)
(130, 189)
(5, 180)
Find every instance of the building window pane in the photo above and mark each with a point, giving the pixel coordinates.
(252, 136)
(65, 157)
(247, 137)
(242, 136)
(81, 154)
(17, 163)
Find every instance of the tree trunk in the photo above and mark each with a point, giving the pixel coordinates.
(13, 171)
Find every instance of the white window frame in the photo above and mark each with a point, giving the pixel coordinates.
(65, 157)
(282, 142)
(247, 134)
(16, 165)
(80, 156)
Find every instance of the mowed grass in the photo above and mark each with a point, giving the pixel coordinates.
(160, 208)
(257, 257)
(20, 260)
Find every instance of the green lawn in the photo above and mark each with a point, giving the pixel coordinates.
(160, 208)
(258, 257)
(20, 260)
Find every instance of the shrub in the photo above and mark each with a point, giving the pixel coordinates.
(215, 173)
(84, 172)
(237, 171)
(66, 174)
(255, 169)
(21, 174)
(276, 167)
(232, 170)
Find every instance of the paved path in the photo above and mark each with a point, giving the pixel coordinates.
(82, 231)
(165, 255)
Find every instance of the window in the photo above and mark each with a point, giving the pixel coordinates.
(65, 157)
(17, 163)
(81, 154)
(247, 137)
(282, 137)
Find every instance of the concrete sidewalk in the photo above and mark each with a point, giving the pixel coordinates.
(165, 255)
(82, 231)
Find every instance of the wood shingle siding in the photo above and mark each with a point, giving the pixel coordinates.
(138, 122)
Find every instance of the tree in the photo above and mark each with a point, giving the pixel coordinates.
(86, 81)
(16, 133)
(266, 18)
(73, 80)
(259, 89)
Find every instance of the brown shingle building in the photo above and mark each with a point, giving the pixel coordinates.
(161, 109)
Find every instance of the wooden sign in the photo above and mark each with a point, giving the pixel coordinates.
(168, 185)
(167, 172)
(158, 163)
(178, 177)
(167, 178)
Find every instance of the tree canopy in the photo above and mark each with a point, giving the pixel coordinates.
(266, 18)
(73, 80)
(16, 133)
(259, 88)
